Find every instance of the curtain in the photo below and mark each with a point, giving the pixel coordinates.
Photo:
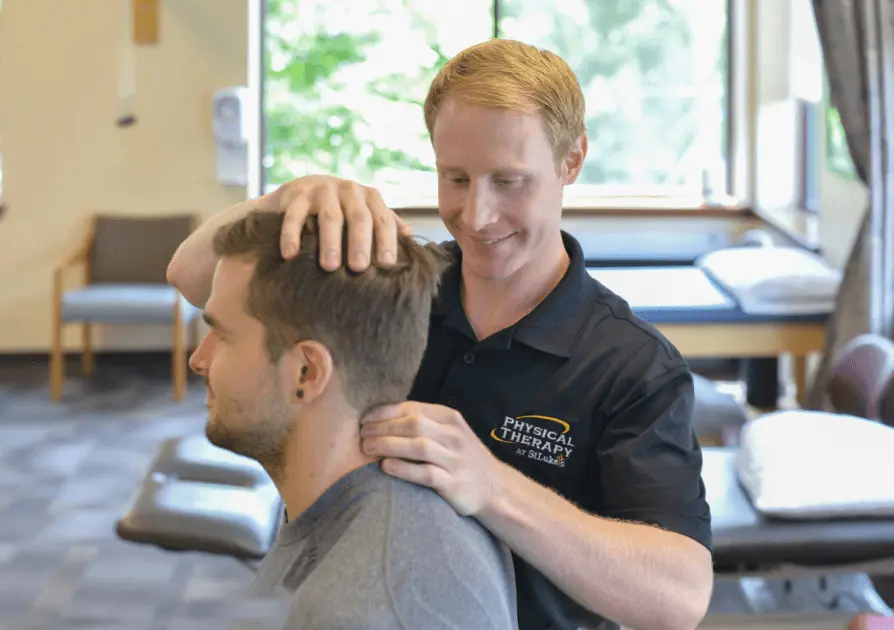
(857, 38)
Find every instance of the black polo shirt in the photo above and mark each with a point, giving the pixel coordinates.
(582, 396)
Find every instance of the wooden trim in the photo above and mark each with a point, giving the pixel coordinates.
(57, 366)
(178, 354)
(57, 359)
(74, 259)
(745, 340)
(81, 256)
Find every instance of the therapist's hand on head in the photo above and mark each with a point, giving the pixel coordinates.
(340, 205)
(433, 446)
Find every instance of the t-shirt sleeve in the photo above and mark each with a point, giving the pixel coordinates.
(649, 457)
(446, 571)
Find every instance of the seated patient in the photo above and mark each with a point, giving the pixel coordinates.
(294, 357)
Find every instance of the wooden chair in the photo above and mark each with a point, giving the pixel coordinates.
(124, 261)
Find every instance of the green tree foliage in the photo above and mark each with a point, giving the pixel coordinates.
(634, 60)
(304, 133)
(838, 154)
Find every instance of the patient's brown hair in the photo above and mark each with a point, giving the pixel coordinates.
(374, 323)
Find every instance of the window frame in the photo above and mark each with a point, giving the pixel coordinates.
(739, 155)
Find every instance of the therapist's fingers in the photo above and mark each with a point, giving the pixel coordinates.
(293, 225)
(331, 222)
(359, 224)
(386, 228)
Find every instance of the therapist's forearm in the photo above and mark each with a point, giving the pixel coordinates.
(192, 267)
(636, 575)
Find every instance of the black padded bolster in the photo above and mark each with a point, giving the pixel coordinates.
(745, 539)
(194, 458)
(187, 515)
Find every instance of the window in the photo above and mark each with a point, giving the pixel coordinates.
(343, 90)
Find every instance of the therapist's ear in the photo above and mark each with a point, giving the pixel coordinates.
(573, 163)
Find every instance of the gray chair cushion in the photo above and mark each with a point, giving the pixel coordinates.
(194, 458)
(187, 515)
(715, 413)
(124, 304)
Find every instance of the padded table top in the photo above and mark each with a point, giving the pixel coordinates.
(743, 537)
(681, 295)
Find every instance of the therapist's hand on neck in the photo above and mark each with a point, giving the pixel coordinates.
(433, 446)
(341, 206)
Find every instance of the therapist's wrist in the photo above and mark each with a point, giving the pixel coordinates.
(498, 501)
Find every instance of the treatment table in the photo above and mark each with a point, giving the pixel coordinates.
(196, 497)
(242, 520)
(746, 544)
(704, 321)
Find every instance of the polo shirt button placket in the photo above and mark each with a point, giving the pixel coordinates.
(469, 358)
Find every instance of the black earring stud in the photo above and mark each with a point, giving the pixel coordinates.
(300, 393)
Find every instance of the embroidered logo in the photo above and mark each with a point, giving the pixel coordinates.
(542, 438)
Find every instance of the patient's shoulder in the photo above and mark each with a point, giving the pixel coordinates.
(429, 538)
(458, 570)
(419, 511)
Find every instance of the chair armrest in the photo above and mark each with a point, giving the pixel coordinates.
(71, 262)
(73, 259)
(78, 258)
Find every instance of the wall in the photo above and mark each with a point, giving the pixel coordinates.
(64, 158)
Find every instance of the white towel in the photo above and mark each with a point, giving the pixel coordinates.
(775, 279)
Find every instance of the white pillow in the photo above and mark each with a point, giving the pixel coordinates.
(815, 465)
(774, 279)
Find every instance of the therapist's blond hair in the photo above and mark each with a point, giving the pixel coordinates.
(516, 76)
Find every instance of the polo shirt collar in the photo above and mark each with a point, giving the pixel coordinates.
(554, 326)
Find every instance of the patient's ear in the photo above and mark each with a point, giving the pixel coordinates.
(309, 370)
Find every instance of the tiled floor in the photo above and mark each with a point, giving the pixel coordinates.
(69, 470)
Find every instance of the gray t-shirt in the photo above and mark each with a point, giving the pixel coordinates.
(376, 553)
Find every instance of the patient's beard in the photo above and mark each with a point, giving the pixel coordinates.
(259, 432)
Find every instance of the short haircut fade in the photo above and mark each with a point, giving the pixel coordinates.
(374, 324)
